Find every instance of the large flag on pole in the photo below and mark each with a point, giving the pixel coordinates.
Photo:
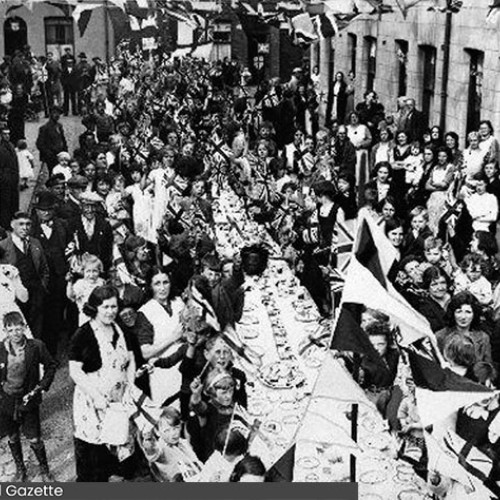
(367, 283)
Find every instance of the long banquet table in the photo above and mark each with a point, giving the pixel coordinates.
(278, 322)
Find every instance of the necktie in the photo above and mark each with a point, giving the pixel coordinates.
(26, 247)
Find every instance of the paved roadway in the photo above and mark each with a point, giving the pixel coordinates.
(56, 408)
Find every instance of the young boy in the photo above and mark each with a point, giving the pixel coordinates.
(21, 392)
(171, 457)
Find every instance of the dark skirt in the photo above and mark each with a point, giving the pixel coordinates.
(94, 462)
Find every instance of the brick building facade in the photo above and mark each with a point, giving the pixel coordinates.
(398, 56)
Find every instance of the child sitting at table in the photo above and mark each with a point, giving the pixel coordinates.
(171, 457)
(215, 415)
(201, 359)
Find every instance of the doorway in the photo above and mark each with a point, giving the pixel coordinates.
(15, 35)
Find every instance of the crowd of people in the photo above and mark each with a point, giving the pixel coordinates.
(119, 247)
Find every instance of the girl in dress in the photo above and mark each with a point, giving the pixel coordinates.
(80, 291)
(26, 163)
(141, 205)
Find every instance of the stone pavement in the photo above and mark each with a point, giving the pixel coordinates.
(56, 407)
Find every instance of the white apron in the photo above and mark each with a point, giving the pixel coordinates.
(164, 382)
(112, 380)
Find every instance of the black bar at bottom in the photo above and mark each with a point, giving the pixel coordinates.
(181, 491)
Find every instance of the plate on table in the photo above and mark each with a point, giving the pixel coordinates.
(291, 420)
(281, 375)
(259, 351)
(271, 427)
(289, 405)
(378, 441)
(306, 316)
(308, 462)
(312, 478)
(373, 477)
(249, 333)
(247, 320)
(259, 407)
(313, 362)
(411, 495)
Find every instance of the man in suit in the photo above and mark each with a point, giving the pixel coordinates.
(52, 233)
(51, 140)
(67, 58)
(71, 208)
(53, 80)
(84, 79)
(344, 152)
(26, 253)
(69, 80)
(415, 123)
(9, 178)
(92, 232)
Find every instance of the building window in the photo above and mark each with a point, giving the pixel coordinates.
(59, 35)
(221, 33)
(428, 68)
(371, 61)
(352, 44)
(474, 100)
(402, 60)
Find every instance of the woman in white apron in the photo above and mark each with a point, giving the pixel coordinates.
(102, 366)
(361, 138)
(159, 330)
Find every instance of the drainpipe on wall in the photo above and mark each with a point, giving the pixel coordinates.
(106, 30)
(446, 70)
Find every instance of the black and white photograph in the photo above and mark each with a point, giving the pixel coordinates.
(246, 241)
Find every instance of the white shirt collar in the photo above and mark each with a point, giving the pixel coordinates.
(18, 242)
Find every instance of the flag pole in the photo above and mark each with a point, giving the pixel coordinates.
(226, 441)
(354, 436)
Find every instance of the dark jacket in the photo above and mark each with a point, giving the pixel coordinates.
(101, 243)
(50, 142)
(9, 166)
(69, 78)
(415, 125)
(84, 348)
(68, 210)
(415, 246)
(345, 156)
(55, 246)
(36, 354)
(37, 254)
